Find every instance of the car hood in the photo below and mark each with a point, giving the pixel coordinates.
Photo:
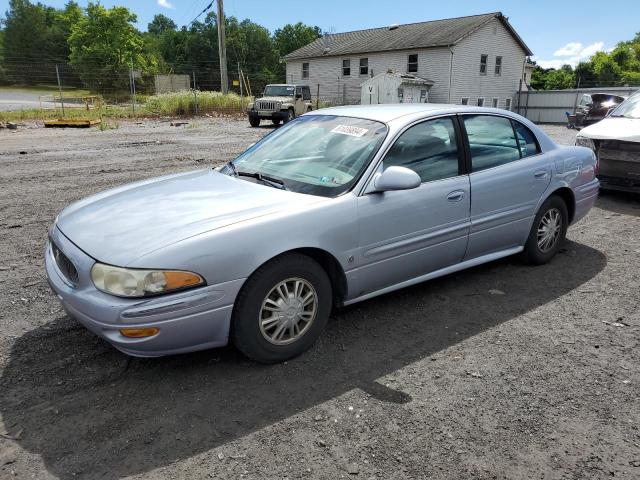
(613, 128)
(119, 225)
(275, 99)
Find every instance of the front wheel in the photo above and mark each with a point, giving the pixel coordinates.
(547, 232)
(254, 121)
(290, 116)
(282, 309)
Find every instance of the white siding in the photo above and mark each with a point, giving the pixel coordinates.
(466, 78)
(433, 64)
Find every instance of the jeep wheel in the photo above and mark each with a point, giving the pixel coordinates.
(290, 116)
(276, 121)
(254, 121)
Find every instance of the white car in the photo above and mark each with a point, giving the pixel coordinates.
(616, 142)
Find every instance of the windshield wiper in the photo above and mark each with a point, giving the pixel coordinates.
(266, 179)
(232, 167)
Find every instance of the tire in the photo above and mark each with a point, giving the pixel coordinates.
(254, 121)
(254, 323)
(276, 121)
(290, 116)
(538, 251)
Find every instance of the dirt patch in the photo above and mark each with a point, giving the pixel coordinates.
(502, 371)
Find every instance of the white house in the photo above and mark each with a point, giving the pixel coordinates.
(478, 60)
(391, 87)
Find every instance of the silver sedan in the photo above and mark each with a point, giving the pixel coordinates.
(334, 208)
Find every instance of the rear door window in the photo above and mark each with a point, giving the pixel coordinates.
(492, 142)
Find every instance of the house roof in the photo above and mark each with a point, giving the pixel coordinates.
(403, 77)
(435, 33)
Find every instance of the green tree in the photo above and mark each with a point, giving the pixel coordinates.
(608, 72)
(3, 73)
(292, 37)
(25, 39)
(251, 46)
(160, 24)
(105, 45)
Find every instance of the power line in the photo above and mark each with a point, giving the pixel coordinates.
(203, 11)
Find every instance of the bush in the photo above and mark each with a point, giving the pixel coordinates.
(184, 103)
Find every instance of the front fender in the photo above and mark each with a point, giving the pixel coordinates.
(236, 251)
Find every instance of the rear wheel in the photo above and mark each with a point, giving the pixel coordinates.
(547, 232)
(282, 309)
(254, 121)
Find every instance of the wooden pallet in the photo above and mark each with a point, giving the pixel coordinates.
(71, 123)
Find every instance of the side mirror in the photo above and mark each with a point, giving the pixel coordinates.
(395, 178)
(298, 95)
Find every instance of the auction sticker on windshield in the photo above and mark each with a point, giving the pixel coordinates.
(350, 130)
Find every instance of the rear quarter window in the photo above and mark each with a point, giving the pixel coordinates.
(526, 140)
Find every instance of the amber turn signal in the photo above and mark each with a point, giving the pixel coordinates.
(176, 280)
(139, 332)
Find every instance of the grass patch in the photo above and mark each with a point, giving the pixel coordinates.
(166, 105)
(184, 103)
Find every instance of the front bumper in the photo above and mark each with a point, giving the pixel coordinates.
(280, 115)
(187, 321)
(620, 184)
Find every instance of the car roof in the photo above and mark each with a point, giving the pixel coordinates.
(392, 111)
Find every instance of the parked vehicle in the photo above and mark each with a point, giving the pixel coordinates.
(592, 108)
(337, 207)
(616, 142)
(280, 103)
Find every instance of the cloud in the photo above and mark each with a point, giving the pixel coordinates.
(569, 50)
(164, 3)
(571, 54)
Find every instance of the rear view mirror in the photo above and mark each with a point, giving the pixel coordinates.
(395, 178)
(298, 95)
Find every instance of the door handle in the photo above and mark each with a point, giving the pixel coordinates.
(455, 196)
(541, 174)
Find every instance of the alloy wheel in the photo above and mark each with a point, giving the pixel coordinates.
(549, 230)
(288, 311)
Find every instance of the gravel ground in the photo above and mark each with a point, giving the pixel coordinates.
(503, 371)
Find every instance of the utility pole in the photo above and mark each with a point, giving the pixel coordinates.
(222, 49)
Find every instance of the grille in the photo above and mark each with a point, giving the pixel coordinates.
(268, 106)
(64, 264)
(619, 150)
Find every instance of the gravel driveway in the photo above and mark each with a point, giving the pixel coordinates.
(504, 371)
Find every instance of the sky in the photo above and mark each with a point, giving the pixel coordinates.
(557, 31)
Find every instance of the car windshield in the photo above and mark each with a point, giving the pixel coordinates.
(279, 91)
(630, 108)
(315, 154)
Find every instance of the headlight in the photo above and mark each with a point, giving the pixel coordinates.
(585, 142)
(127, 282)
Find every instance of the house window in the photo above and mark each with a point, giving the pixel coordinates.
(498, 70)
(494, 102)
(305, 70)
(423, 96)
(412, 64)
(400, 95)
(346, 67)
(507, 104)
(481, 102)
(465, 101)
(364, 66)
(483, 64)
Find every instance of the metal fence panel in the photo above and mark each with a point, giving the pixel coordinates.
(551, 106)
